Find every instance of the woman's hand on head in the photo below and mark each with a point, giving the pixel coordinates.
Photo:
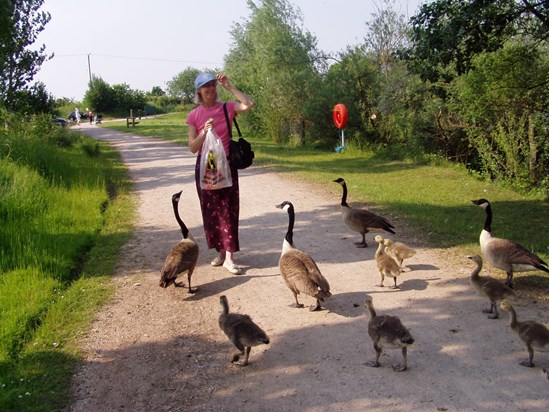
(223, 80)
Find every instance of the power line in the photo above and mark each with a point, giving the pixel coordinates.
(155, 59)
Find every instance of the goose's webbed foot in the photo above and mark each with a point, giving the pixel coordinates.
(399, 367)
(315, 308)
(527, 363)
(373, 364)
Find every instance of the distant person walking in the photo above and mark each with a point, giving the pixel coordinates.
(90, 115)
(77, 115)
(220, 208)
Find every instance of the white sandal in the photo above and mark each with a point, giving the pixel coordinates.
(218, 261)
(232, 268)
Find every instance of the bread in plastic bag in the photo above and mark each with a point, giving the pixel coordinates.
(215, 172)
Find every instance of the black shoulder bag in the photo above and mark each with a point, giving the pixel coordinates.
(241, 154)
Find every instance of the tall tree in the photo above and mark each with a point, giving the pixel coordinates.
(503, 107)
(274, 60)
(182, 85)
(20, 23)
(449, 33)
(387, 34)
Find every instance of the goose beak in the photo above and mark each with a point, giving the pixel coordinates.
(279, 206)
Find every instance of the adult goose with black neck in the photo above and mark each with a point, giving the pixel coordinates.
(183, 256)
(505, 254)
(298, 269)
(360, 220)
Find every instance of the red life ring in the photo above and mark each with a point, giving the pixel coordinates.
(340, 115)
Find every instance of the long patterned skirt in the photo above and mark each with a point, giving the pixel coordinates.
(220, 213)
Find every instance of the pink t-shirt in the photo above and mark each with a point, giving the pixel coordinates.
(200, 114)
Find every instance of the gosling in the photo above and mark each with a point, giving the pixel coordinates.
(489, 288)
(398, 251)
(386, 265)
(387, 332)
(241, 331)
(533, 334)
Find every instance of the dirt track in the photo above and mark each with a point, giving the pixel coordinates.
(155, 349)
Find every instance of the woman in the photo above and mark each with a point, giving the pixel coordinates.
(220, 208)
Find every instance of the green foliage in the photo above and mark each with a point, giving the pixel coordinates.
(22, 191)
(272, 60)
(387, 35)
(20, 24)
(24, 297)
(451, 33)
(54, 216)
(182, 85)
(503, 107)
(156, 91)
(350, 81)
(33, 100)
(100, 95)
(116, 100)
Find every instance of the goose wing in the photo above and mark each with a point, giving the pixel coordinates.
(505, 250)
(360, 218)
(182, 257)
(400, 250)
(301, 273)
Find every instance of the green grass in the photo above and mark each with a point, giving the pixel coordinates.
(65, 210)
(431, 202)
(167, 127)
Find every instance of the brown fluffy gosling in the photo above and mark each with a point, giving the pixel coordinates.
(241, 331)
(533, 334)
(386, 265)
(398, 251)
(490, 288)
(387, 332)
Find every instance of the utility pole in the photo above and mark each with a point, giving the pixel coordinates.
(89, 68)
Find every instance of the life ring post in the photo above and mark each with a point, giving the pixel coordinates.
(340, 116)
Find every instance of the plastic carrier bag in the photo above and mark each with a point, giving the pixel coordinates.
(215, 172)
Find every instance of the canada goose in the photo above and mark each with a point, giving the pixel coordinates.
(241, 331)
(398, 251)
(533, 334)
(359, 220)
(505, 254)
(490, 288)
(183, 256)
(387, 332)
(386, 265)
(298, 269)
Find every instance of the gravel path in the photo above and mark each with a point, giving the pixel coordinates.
(155, 349)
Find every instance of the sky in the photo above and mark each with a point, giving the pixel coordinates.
(147, 43)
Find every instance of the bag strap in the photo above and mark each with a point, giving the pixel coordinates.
(229, 128)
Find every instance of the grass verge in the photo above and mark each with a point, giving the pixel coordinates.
(66, 209)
